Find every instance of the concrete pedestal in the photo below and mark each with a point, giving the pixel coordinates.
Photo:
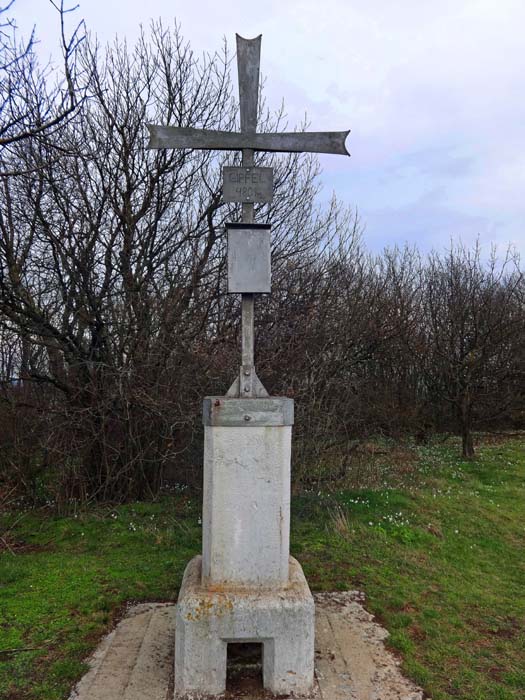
(209, 618)
(246, 505)
(245, 587)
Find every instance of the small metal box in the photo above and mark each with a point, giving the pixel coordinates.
(249, 269)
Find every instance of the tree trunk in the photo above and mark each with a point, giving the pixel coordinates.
(467, 443)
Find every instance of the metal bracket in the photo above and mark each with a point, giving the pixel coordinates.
(247, 385)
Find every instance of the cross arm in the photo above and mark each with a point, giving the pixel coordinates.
(293, 142)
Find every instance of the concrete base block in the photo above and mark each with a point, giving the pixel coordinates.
(246, 505)
(282, 620)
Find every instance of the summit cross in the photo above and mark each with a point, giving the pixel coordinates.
(248, 141)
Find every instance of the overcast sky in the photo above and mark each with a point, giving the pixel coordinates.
(433, 91)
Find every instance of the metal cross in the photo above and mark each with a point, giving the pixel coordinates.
(247, 140)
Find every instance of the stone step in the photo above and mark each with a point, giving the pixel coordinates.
(153, 669)
(113, 664)
(331, 666)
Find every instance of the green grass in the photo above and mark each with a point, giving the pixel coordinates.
(439, 553)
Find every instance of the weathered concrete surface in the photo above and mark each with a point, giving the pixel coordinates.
(135, 661)
(282, 620)
(246, 505)
(351, 660)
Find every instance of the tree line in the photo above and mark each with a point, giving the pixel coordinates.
(114, 316)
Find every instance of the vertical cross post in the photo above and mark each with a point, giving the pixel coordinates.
(248, 62)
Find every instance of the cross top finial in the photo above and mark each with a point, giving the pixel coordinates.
(248, 65)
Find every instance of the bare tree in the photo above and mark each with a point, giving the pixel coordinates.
(475, 325)
(30, 104)
(112, 261)
(115, 318)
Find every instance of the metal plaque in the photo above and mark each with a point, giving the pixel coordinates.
(247, 184)
(249, 269)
